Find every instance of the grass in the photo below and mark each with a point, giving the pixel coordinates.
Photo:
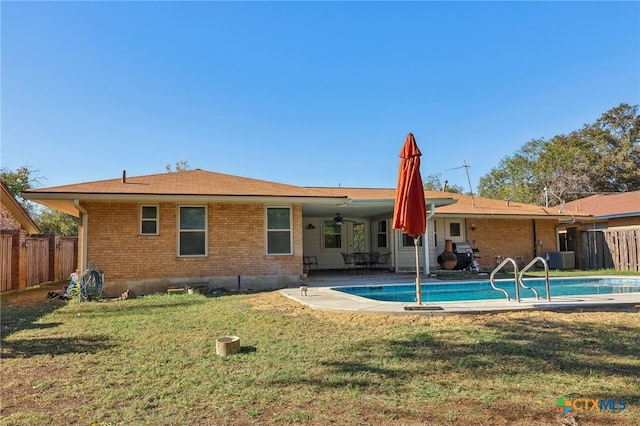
(152, 360)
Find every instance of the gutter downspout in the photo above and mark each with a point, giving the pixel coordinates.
(425, 241)
(85, 219)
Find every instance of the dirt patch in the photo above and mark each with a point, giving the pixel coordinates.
(32, 296)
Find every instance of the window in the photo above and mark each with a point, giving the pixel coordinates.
(408, 241)
(149, 220)
(279, 230)
(192, 231)
(454, 229)
(332, 234)
(359, 238)
(435, 234)
(382, 234)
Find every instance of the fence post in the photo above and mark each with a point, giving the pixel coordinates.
(20, 250)
(54, 251)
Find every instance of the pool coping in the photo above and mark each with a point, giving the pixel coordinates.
(321, 296)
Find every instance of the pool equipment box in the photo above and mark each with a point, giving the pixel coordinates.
(561, 259)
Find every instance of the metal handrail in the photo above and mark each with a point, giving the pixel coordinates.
(546, 277)
(515, 277)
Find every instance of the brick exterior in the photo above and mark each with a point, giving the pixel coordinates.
(236, 247)
(7, 221)
(511, 238)
(11, 226)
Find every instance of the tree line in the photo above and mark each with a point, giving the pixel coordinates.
(603, 157)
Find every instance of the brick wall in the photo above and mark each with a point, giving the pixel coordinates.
(17, 264)
(511, 238)
(236, 243)
(7, 221)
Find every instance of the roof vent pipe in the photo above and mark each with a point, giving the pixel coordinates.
(124, 176)
(444, 185)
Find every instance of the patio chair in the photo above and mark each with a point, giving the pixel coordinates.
(383, 260)
(310, 261)
(349, 261)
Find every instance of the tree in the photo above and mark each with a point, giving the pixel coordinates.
(615, 138)
(181, 166)
(563, 169)
(433, 183)
(600, 157)
(49, 221)
(20, 180)
(55, 222)
(514, 178)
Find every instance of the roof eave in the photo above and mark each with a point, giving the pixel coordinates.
(514, 216)
(65, 202)
(38, 196)
(18, 212)
(616, 216)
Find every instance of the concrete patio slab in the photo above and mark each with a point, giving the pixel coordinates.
(320, 295)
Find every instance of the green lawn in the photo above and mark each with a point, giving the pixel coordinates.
(152, 360)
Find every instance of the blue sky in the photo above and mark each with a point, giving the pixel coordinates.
(304, 93)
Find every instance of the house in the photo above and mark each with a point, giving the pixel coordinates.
(611, 237)
(496, 229)
(209, 229)
(15, 227)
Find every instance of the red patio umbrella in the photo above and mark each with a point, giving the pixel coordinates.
(410, 213)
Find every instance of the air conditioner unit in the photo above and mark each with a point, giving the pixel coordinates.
(561, 259)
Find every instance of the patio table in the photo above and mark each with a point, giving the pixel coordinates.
(366, 261)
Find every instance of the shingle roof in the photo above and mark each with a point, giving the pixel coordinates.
(200, 183)
(607, 205)
(360, 193)
(490, 207)
(464, 205)
(193, 182)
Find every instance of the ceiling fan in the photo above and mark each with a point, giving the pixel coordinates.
(339, 220)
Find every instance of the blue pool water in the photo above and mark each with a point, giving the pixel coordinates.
(481, 290)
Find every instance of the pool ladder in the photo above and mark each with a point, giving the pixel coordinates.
(518, 278)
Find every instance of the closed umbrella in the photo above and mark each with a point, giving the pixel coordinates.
(409, 214)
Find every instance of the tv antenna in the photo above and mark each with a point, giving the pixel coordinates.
(547, 191)
(465, 166)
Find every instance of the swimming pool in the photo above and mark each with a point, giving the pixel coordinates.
(481, 290)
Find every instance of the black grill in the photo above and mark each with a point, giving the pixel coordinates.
(464, 253)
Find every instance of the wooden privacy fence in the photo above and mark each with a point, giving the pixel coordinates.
(66, 258)
(618, 249)
(29, 261)
(37, 260)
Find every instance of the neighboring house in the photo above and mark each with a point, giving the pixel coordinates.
(611, 238)
(28, 258)
(203, 228)
(15, 227)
